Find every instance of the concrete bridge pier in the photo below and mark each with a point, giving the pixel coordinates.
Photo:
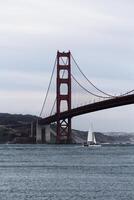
(32, 130)
(43, 133)
(38, 133)
(47, 133)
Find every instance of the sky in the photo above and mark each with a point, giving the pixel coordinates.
(99, 34)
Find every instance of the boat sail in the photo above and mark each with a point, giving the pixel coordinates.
(91, 140)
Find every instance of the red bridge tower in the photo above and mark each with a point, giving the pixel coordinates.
(64, 125)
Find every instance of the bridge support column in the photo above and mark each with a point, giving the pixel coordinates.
(47, 134)
(38, 133)
(63, 125)
(32, 130)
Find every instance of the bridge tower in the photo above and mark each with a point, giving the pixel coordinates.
(64, 125)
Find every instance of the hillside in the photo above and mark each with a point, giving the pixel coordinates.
(81, 137)
(16, 128)
(16, 119)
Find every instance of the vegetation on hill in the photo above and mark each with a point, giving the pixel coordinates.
(16, 119)
(16, 128)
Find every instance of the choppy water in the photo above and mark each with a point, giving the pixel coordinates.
(41, 172)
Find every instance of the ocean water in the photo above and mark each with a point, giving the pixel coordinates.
(52, 172)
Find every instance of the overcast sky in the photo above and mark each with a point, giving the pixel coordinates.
(100, 35)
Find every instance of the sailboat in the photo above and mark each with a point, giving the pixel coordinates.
(91, 139)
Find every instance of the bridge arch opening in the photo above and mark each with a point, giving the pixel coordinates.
(64, 89)
(64, 73)
(63, 60)
(63, 106)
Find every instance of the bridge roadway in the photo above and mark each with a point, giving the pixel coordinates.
(102, 105)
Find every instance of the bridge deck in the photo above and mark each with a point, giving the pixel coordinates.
(110, 103)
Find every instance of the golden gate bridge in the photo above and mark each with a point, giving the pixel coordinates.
(61, 118)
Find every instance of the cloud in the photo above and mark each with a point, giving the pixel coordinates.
(115, 119)
(20, 80)
(20, 102)
(99, 34)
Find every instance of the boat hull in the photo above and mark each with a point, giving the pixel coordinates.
(91, 145)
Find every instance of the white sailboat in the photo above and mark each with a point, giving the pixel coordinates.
(91, 139)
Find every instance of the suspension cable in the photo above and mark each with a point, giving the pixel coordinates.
(84, 87)
(53, 107)
(87, 89)
(44, 102)
(107, 95)
(128, 92)
(89, 80)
